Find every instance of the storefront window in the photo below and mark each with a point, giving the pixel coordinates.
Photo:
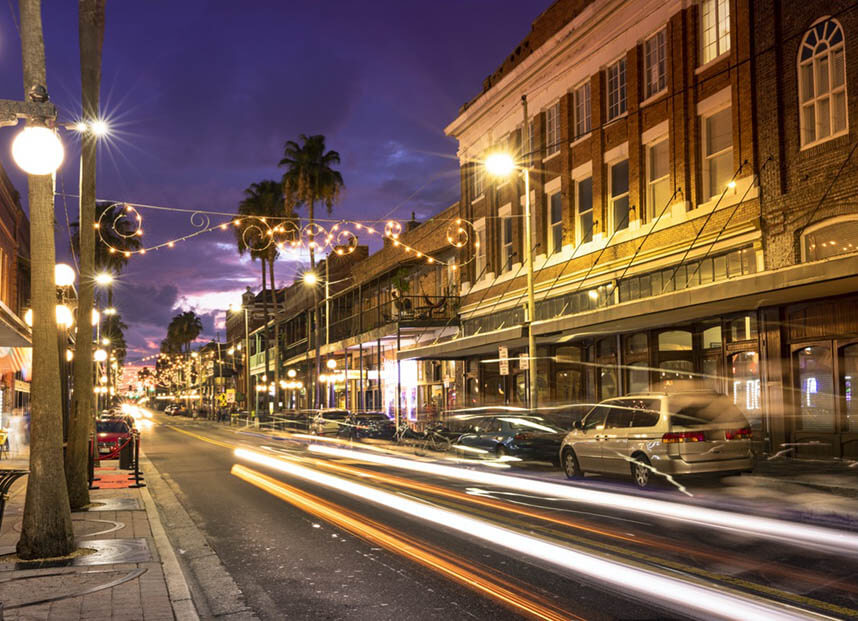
(638, 377)
(675, 340)
(745, 378)
(711, 374)
(570, 375)
(473, 391)
(606, 352)
(712, 337)
(494, 384)
(636, 343)
(743, 328)
(848, 385)
(815, 390)
(673, 370)
(521, 388)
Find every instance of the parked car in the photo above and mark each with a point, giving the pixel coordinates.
(111, 433)
(297, 420)
(677, 433)
(328, 422)
(374, 425)
(513, 433)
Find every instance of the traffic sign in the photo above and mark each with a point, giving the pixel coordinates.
(503, 362)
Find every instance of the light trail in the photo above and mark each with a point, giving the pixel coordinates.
(839, 542)
(682, 596)
(399, 544)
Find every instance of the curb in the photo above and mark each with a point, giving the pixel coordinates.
(177, 586)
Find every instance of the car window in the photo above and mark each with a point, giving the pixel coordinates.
(533, 424)
(646, 412)
(596, 417)
(619, 414)
(111, 426)
(491, 425)
(701, 410)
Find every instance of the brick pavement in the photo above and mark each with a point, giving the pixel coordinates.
(108, 590)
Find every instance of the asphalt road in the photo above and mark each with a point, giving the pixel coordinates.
(303, 547)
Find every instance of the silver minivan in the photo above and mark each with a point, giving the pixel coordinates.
(670, 433)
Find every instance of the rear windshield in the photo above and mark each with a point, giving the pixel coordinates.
(334, 415)
(700, 411)
(112, 426)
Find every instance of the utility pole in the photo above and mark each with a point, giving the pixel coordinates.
(528, 257)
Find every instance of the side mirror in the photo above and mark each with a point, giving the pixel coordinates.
(577, 425)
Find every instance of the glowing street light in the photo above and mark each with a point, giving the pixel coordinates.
(96, 317)
(99, 355)
(104, 279)
(37, 150)
(310, 278)
(99, 128)
(64, 275)
(65, 317)
(110, 311)
(500, 164)
(331, 364)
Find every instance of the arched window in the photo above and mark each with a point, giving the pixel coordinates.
(830, 238)
(822, 83)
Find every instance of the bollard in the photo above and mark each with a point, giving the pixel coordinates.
(137, 474)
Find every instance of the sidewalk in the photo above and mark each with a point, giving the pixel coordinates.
(132, 573)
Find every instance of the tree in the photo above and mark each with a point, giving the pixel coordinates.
(46, 527)
(184, 328)
(310, 178)
(91, 35)
(263, 200)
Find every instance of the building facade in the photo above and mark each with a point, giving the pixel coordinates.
(691, 177)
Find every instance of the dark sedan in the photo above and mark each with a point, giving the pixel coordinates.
(374, 425)
(529, 438)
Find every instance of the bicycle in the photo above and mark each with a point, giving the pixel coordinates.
(433, 440)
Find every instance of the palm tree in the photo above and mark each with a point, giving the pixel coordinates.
(184, 328)
(263, 200)
(91, 37)
(46, 526)
(310, 178)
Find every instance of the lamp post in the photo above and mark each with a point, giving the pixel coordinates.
(502, 165)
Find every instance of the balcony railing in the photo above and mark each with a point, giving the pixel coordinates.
(413, 309)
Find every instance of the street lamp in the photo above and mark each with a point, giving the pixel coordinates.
(503, 164)
(64, 275)
(103, 279)
(37, 150)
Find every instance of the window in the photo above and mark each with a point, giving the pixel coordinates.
(552, 129)
(617, 89)
(619, 208)
(831, 238)
(480, 249)
(745, 386)
(584, 209)
(619, 415)
(596, 418)
(814, 374)
(555, 220)
(822, 83)
(714, 28)
(582, 110)
(656, 63)
(476, 181)
(717, 152)
(848, 380)
(658, 179)
(506, 239)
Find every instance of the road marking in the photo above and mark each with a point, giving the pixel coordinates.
(400, 544)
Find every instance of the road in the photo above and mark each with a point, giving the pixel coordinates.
(315, 530)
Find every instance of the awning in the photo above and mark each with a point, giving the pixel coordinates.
(797, 283)
(13, 331)
(14, 359)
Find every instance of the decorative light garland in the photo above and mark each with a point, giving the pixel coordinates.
(258, 234)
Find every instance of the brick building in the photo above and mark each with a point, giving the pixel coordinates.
(692, 179)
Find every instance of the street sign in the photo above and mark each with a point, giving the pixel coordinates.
(523, 362)
(503, 363)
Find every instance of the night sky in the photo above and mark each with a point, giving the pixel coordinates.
(202, 96)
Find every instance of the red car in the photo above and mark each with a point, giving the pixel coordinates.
(111, 434)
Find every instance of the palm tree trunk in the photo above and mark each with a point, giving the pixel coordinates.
(276, 315)
(317, 390)
(265, 337)
(46, 528)
(91, 34)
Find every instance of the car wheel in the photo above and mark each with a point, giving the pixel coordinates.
(500, 451)
(642, 471)
(570, 464)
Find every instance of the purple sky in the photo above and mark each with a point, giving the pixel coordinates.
(203, 95)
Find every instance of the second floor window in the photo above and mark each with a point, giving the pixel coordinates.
(552, 129)
(476, 181)
(582, 110)
(822, 83)
(619, 178)
(656, 63)
(617, 89)
(584, 209)
(717, 152)
(506, 242)
(657, 178)
(555, 222)
(480, 250)
(714, 28)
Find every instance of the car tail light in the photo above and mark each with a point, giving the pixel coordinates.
(521, 436)
(680, 437)
(738, 434)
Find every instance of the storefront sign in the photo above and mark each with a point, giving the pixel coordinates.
(523, 362)
(22, 386)
(503, 355)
